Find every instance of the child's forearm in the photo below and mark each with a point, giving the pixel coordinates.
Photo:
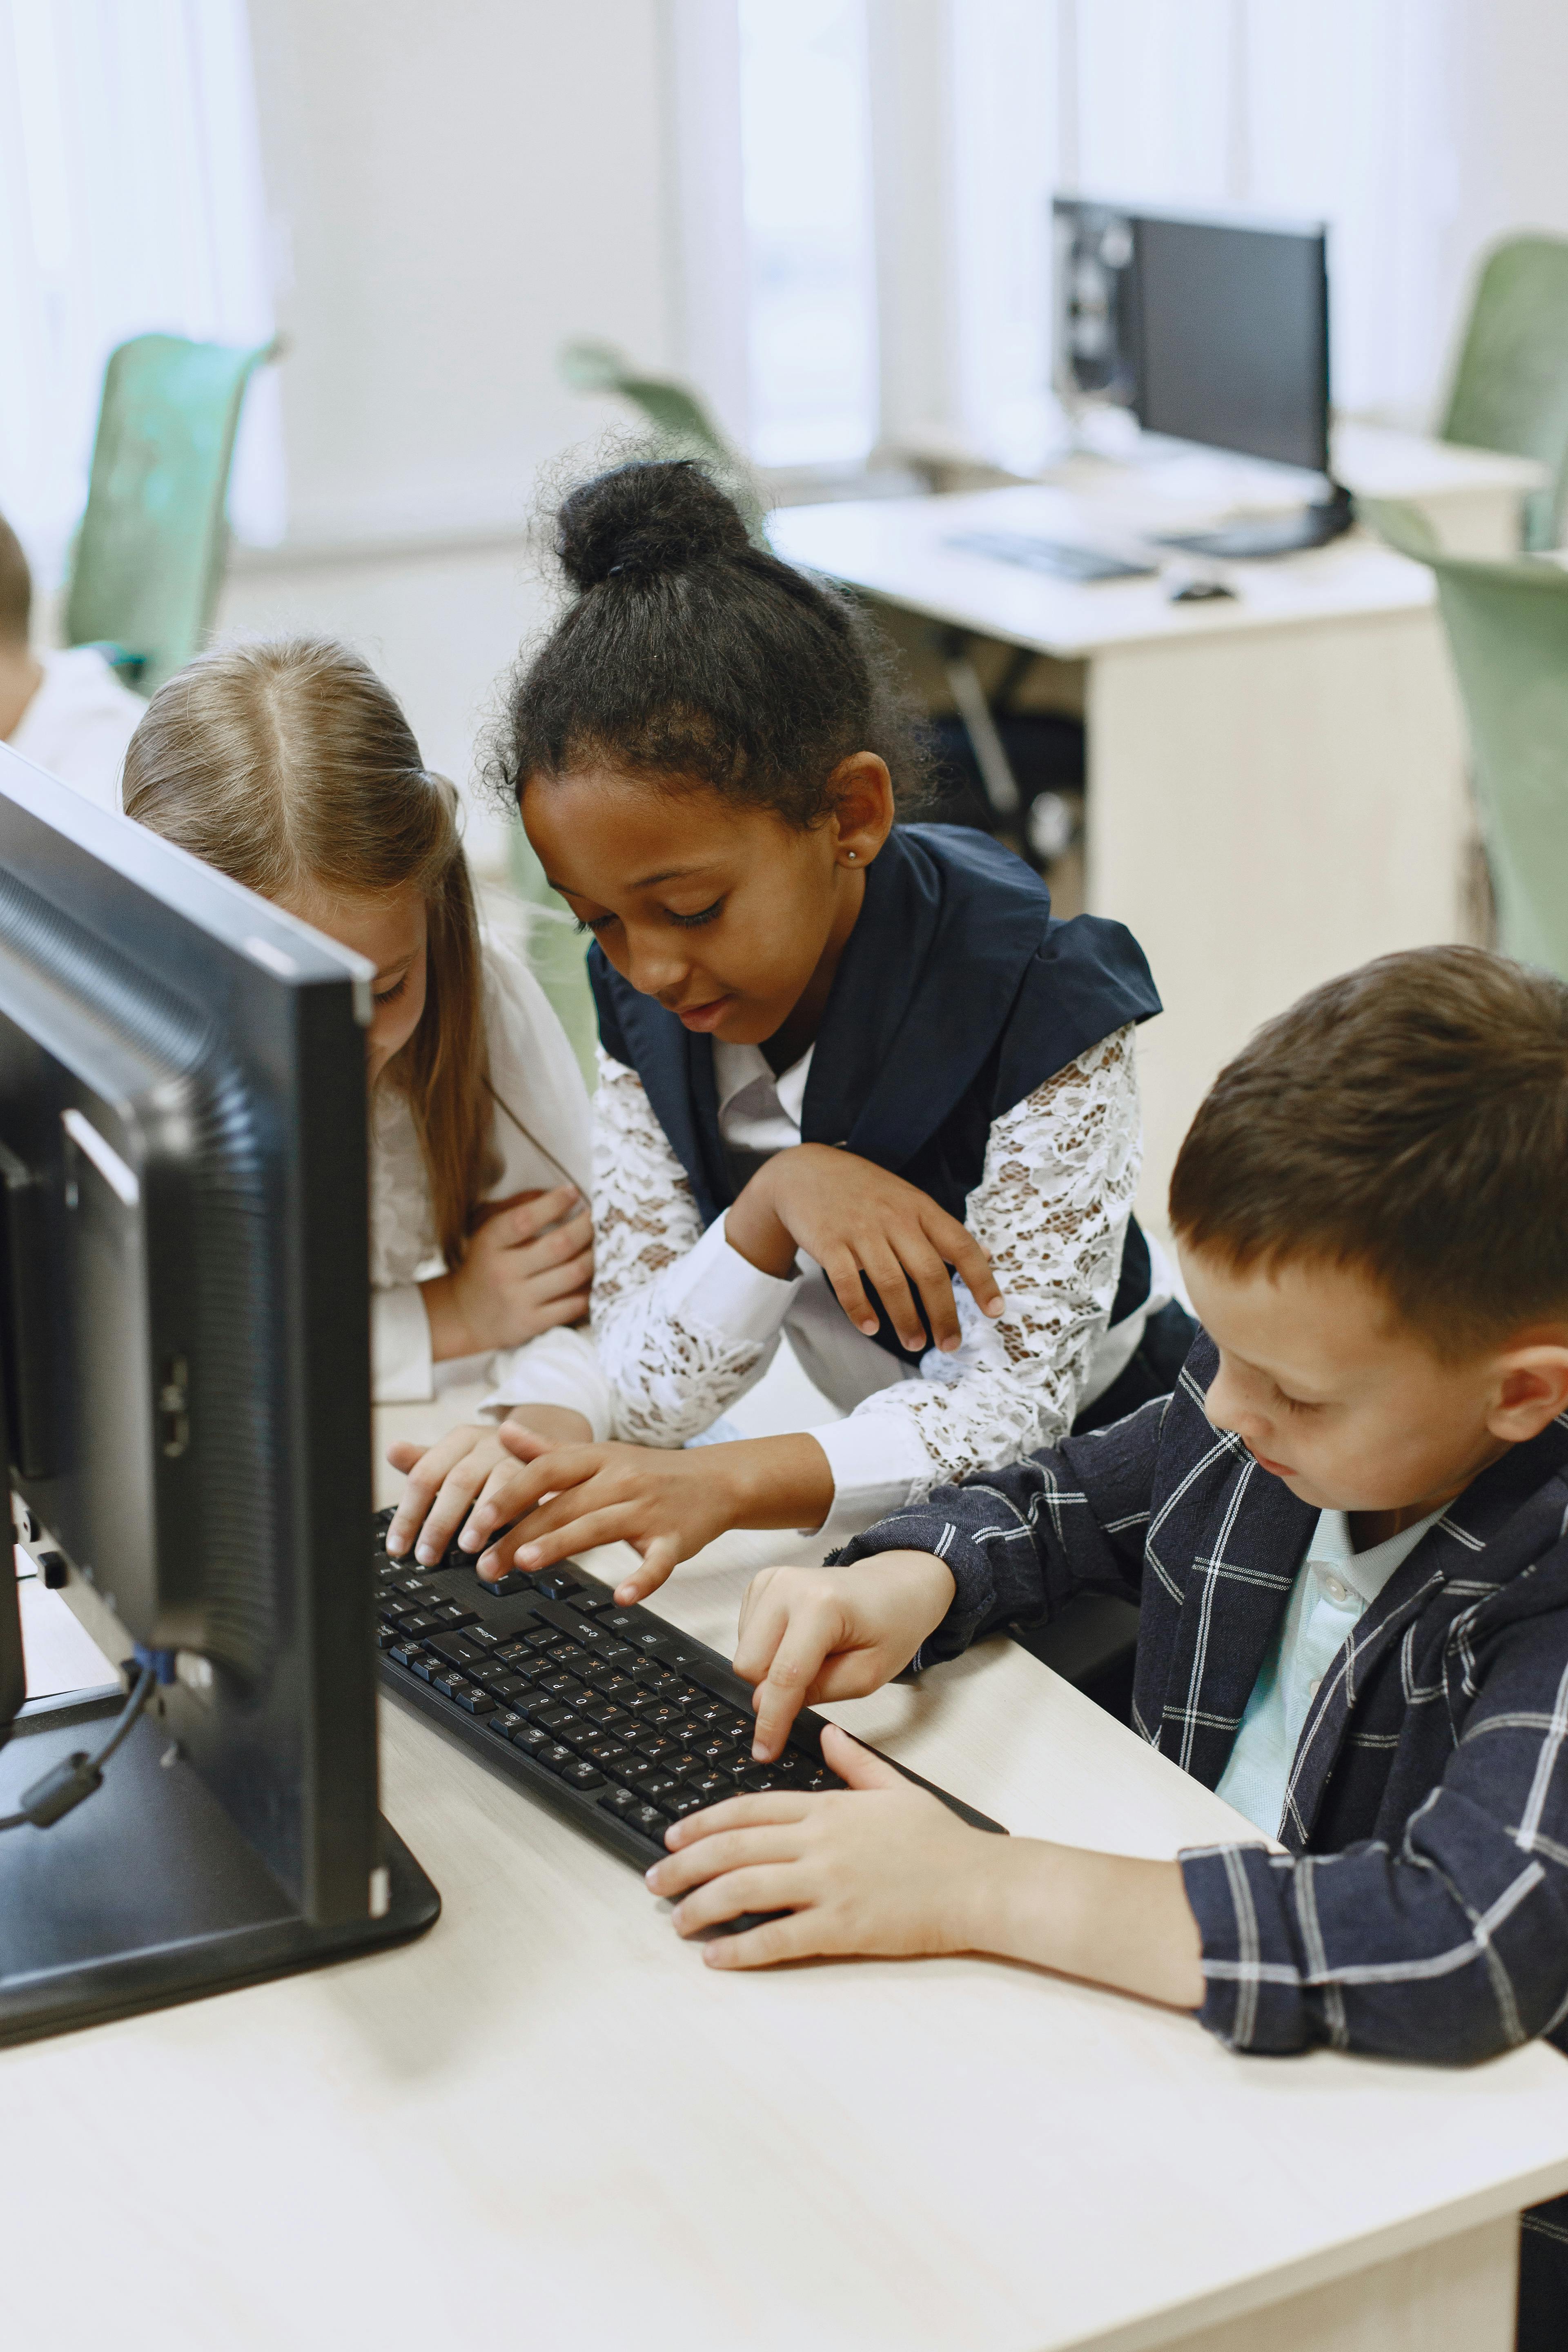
(773, 1482)
(1105, 1917)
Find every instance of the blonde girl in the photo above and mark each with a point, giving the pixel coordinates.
(291, 767)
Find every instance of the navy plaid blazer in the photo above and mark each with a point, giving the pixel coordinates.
(1421, 1909)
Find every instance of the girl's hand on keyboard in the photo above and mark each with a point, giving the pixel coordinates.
(445, 1480)
(878, 1867)
(667, 1504)
(808, 1633)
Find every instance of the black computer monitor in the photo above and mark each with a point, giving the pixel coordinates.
(183, 1342)
(1230, 323)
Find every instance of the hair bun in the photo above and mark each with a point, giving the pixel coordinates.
(644, 519)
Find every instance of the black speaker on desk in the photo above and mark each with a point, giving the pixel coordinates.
(185, 1346)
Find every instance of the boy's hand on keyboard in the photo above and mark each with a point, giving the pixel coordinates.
(466, 1466)
(862, 1226)
(879, 1867)
(809, 1633)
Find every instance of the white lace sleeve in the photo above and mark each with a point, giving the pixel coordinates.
(1052, 1207)
(683, 1325)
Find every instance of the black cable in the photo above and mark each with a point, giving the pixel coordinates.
(62, 1789)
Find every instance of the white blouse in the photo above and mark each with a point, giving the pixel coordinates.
(541, 1135)
(684, 1325)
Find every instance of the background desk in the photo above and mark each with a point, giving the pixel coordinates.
(1276, 785)
(548, 2123)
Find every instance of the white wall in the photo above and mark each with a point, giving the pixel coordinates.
(455, 189)
(1509, 67)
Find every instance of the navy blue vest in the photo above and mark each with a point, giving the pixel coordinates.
(957, 994)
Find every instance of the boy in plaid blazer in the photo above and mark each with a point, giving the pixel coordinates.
(1347, 1531)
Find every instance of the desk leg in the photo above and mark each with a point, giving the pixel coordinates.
(1267, 808)
(1455, 2296)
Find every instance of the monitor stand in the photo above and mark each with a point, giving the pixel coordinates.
(147, 1894)
(1313, 526)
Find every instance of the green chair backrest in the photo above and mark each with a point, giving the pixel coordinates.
(1510, 388)
(1508, 629)
(557, 954)
(681, 425)
(149, 555)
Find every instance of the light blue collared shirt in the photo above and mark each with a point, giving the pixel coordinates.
(1335, 1589)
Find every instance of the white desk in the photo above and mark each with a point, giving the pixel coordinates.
(1277, 784)
(547, 2122)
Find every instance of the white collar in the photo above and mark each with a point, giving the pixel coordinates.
(1366, 1572)
(737, 1068)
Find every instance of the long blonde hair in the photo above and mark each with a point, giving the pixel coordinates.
(291, 766)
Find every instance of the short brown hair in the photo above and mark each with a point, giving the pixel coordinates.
(290, 765)
(1410, 1118)
(16, 589)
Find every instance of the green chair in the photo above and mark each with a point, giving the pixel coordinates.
(1510, 388)
(681, 425)
(557, 954)
(1508, 631)
(149, 555)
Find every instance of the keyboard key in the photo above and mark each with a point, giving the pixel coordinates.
(456, 1648)
(713, 1787)
(472, 1699)
(448, 1678)
(516, 1579)
(619, 1801)
(425, 1667)
(758, 1779)
(485, 1635)
(653, 1785)
(549, 1714)
(560, 1684)
(582, 1775)
(553, 1756)
(404, 1651)
(576, 1734)
(531, 1738)
(500, 1685)
(599, 1710)
(617, 1653)
(662, 1716)
(588, 1602)
(685, 1800)
(503, 1723)
(385, 1637)
(453, 1613)
(717, 1749)
(654, 1745)
(427, 1622)
(649, 1819)
(710, 1713)
(606, 1752)
(556, 1584)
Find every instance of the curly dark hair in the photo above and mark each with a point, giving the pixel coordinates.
(687, 656)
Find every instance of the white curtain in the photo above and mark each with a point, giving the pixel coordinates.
(130, 201)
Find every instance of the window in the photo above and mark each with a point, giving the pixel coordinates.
(130, 202)
(806, 206)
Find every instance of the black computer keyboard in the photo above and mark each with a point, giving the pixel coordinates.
(611, 1717)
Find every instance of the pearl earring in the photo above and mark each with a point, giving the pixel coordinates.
(851, 855)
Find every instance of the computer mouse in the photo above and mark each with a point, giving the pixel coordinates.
(1186, 590)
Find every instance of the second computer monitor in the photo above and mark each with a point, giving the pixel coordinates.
(1231, 323)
